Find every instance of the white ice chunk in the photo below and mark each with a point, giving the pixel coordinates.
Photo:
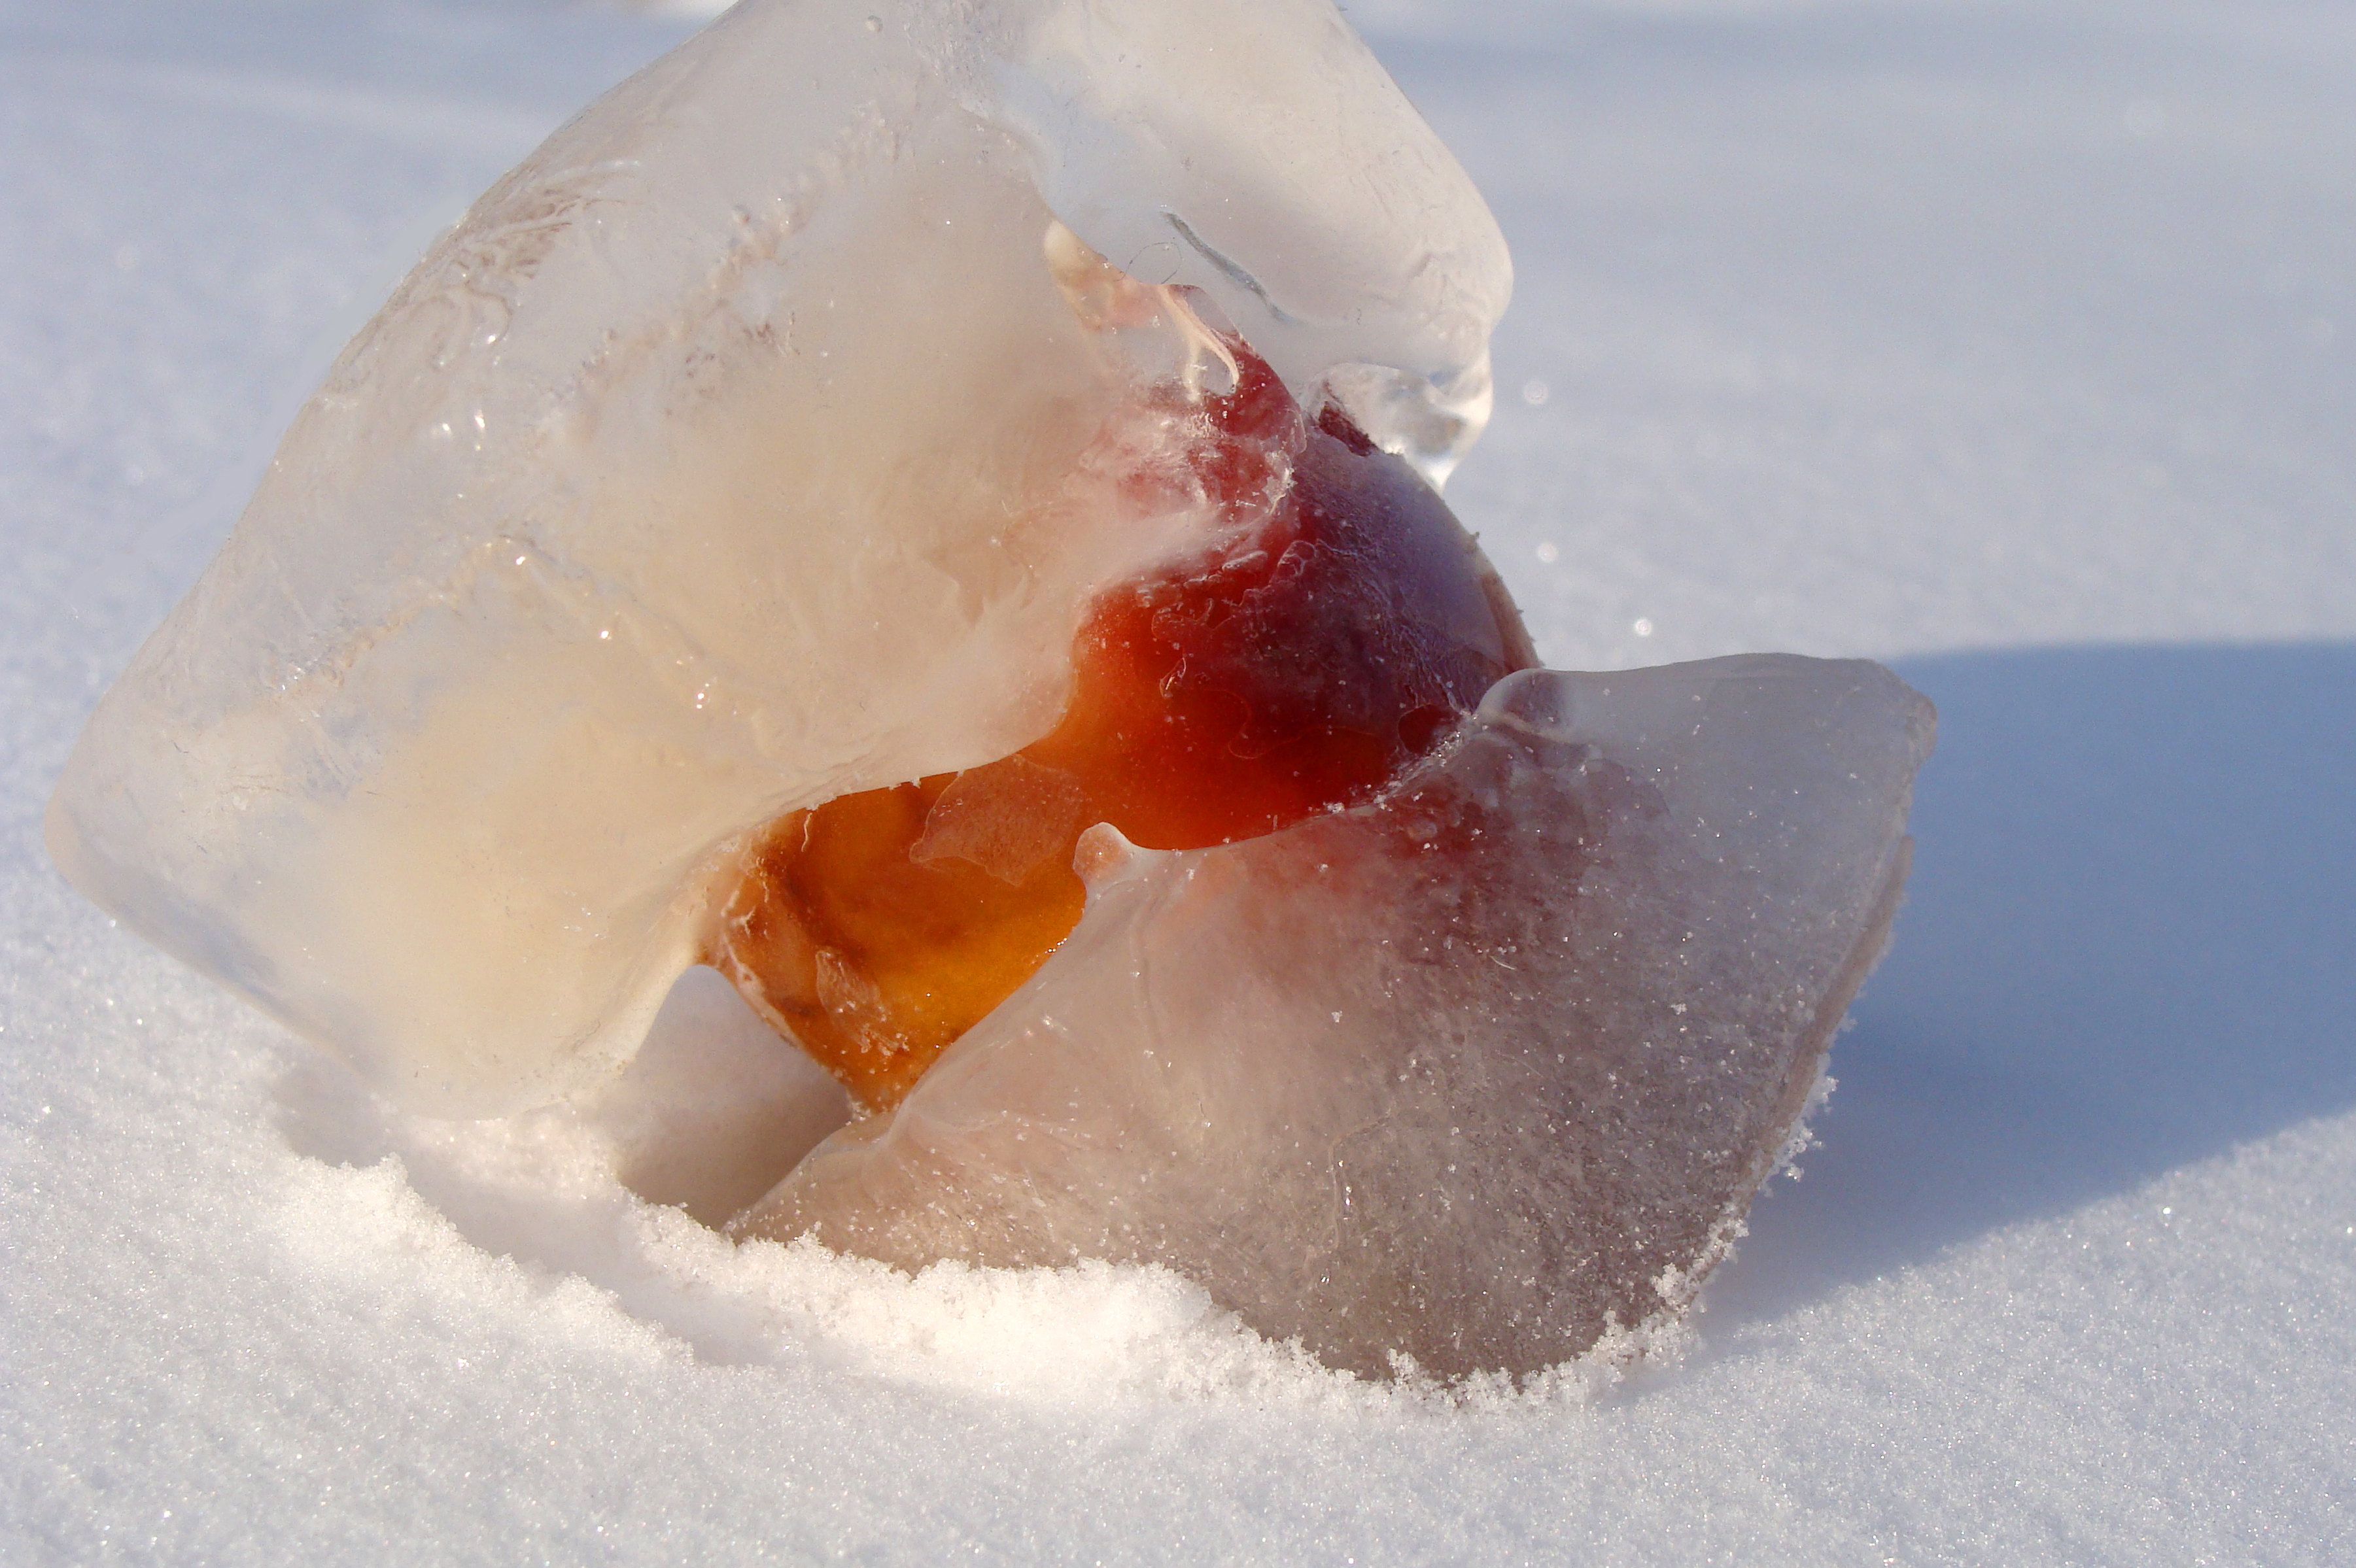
(1470, 1073)
(737, 450)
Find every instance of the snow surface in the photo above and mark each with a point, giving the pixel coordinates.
(2008, 341)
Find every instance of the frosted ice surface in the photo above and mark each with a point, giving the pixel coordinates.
(739, 449)
(1471, 1073)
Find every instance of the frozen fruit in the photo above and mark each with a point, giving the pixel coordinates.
(1342, 625)
(885, 456)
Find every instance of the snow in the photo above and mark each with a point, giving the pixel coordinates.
(2005, 342)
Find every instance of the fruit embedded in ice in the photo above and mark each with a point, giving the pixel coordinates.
(741, 451)
(884, 453)
(1473, 1071)
(1344, 623)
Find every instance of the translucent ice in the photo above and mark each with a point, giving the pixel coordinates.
(1471, 1073)
(855, 456)
(740, 450)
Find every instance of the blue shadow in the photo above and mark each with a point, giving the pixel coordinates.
(2130, 943)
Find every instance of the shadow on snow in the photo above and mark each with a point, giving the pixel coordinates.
(2129, 943)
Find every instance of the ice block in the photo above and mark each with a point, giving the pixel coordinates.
(933, 509)
(1470, 1074)
(741, 450)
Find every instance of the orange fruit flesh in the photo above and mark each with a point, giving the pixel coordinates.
(871, 961)
(1295, 670)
